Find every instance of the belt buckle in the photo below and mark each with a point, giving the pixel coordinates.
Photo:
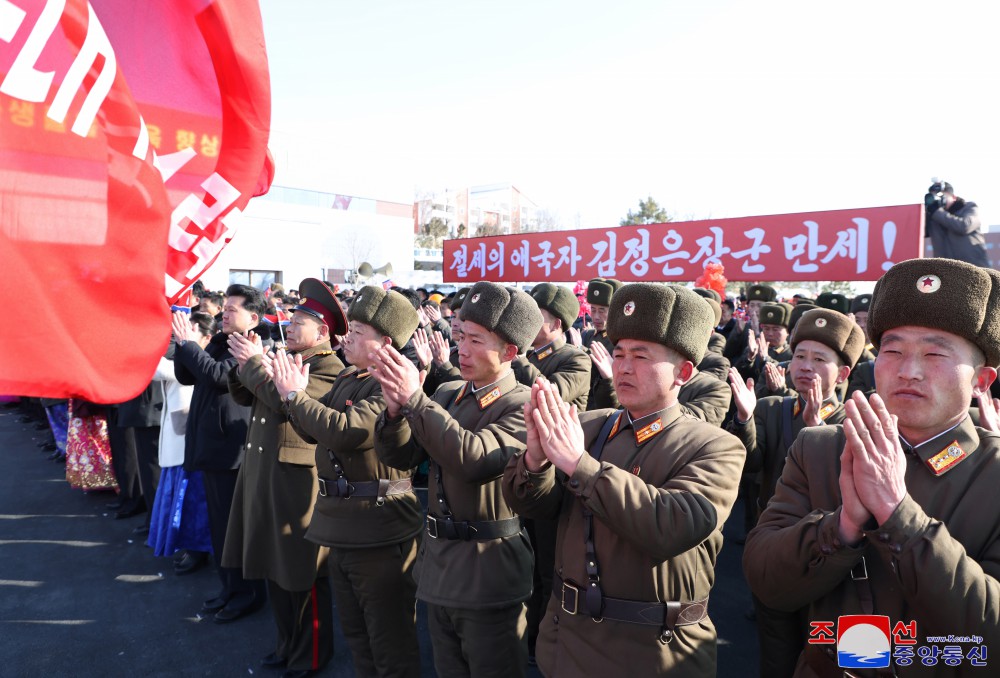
(322, 487)
(859, 572)
(576, 597)
(432, 526)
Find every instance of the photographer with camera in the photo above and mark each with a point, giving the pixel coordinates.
(952, 224)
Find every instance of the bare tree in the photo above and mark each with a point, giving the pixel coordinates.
(545, 220)
(356, 248)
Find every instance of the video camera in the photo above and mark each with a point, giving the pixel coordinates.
(934, 198)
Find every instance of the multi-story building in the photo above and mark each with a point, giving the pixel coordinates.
(492, 209)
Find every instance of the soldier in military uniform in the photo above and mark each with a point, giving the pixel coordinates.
(563, 364)
(443, 361)
(474, 568)
(366, 513)
(770, 345)
(863, 375)
(739, 340)
(600, 291)
(640, 516)
(825, 345)
(893, 512)
(276, 487)
(703, 396)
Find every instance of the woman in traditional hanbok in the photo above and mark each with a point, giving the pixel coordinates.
(88, 452)
(179, 523)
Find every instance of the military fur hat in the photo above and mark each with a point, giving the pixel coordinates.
(716, 307)
(708, 294)
(776, 314)
(557, 300)
(714, 300)
(669, 315)
(834, 302)
(861, 303)
(830, 328)
(321, 303)
(943, 294)
(390, 313)
(801, 307)
(459, 299)
(507, 312)
(600, 291)
(764, 293)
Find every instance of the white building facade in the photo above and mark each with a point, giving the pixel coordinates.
(290, 234)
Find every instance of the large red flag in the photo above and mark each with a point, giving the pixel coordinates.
(131, 136)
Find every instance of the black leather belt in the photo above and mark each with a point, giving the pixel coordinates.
(380, 488)
(666, 615)
(470, 530)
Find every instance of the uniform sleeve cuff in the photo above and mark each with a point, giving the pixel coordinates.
(532, 478)
(906, 523)
(588, 470)
(828, 540)
(415, 405)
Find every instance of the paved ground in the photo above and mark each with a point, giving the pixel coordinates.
(80, 597)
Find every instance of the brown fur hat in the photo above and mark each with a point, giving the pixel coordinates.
(669, 315)
(944, 294)
(557, 300)
(390, 313)
(830, 328)
(507, 312)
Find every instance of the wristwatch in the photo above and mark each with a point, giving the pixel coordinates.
(291, 394)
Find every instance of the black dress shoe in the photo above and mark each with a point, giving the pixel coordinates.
(114, 505)
(230, 614)
(55, 456)
(141, 531)
(273, 661)
(298, 673)
(213, 605)
(190, 562)
(130, 511)
(48, 447)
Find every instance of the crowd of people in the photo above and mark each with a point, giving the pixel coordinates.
(580, 455)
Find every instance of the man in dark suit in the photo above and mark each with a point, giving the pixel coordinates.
(216, 436)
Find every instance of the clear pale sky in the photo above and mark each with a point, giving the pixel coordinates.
(716, 109)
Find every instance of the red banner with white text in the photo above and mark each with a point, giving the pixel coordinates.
(131, 136)
(857, 244)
